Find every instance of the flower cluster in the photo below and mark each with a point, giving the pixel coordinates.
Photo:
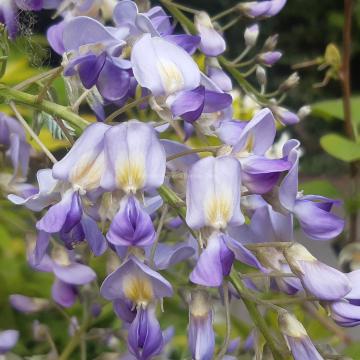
(125, 190)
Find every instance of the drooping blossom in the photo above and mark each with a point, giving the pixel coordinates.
(297, 338)
(200, 332)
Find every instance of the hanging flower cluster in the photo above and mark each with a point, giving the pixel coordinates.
(123, 190)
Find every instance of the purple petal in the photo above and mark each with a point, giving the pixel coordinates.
(260, 132)
(136, 158)
(84, 164)
(93, 235)
(345, 314)
(28, 305)
(74, 274)
(314, 273)
(201, 337)
(216, 101)
(214, 183)
(221, 259)
(242, 254)
(54, 35)
(90, 69)
(113, 83)
(8, 339)
(189, 104)
(8, 17)
(212, 43)
(131, 226)
(145, 336)
(169, 255)
(289, 186)
(317, 223)
(163, 67)
(56, 217)
(83, 30)
(124, 310)
(113, 286)
(220, 78)
(63, 294)
(188, 42)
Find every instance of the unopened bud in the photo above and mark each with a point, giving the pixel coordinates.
(254, 9)
(269, 58)
(290, 82)
(261, 75)
(304, 111)
(28, 305)
(251, 35)
(200, 304)
(286, 116)
(271, 42)
(291, 327)
(40, 331)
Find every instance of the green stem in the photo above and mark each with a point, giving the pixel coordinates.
(258, 318)
(11, 94)
(125, 108)
(158, 233)
(211, 149)
(74, 342)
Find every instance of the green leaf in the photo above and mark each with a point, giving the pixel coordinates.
(340, 147)
(333, 109)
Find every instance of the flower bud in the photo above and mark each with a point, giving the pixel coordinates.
(304, 111)
(271, 42)
(286, 116)
(269, 58)
(28, 305)
(261, 75)
(201, 334)
(251, 35)
(297, 338)
(312, 273)
(39, 330)
(290, 82)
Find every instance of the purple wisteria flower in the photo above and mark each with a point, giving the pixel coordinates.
(200, 332)
(174, 80)
(131, 226)
(267, 8)
(212, 43)
(297, 338)
(312, 211)
(135, 284)
(8, 339)
(68, 273)
(135, 158)
(213, 193)
(312, 273)
(28, 305)
(250, 141)
(13, 144)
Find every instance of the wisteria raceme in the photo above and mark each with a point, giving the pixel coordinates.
(184, 229)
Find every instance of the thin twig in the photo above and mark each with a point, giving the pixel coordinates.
(32, 133)
(158, 232)
(34, 79)
(225, 345)
(127, 107)
(211, 149)
(48, 83)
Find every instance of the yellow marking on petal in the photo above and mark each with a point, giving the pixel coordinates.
(131, 175)
(138, 289)
(87, 171)
(171, 76)
(218, 211)
(250, 143)
(200, 304)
